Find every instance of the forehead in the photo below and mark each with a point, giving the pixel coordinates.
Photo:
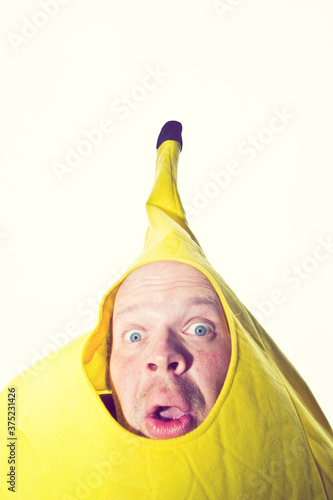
(158, 280)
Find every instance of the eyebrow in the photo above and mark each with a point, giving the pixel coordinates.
(206, 300)
(127, 309)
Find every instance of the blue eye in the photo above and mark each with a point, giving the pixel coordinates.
(199, 329)
(134, 336)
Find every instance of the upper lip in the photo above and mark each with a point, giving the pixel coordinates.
(167, 400)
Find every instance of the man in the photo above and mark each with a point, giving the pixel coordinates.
(206, 406)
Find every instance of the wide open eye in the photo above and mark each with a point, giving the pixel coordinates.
(199, 329)
(134, 336)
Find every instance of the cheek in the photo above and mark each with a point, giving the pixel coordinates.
(121, 371)
(211, 368)
(208, 361)
(125, 376)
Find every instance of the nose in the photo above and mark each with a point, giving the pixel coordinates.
(166, 356)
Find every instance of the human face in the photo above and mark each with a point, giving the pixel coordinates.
(170, 349)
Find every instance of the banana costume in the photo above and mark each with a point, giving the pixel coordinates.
(265, 437)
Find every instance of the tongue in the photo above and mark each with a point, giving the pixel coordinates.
(171, 412)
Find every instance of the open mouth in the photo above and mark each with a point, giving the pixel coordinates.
(166, 422)
(167, 413)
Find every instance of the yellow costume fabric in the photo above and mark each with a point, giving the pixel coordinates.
(265, 437)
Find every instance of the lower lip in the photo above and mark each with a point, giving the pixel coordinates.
(163, 429)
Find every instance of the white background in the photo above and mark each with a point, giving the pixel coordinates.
(65, 239)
